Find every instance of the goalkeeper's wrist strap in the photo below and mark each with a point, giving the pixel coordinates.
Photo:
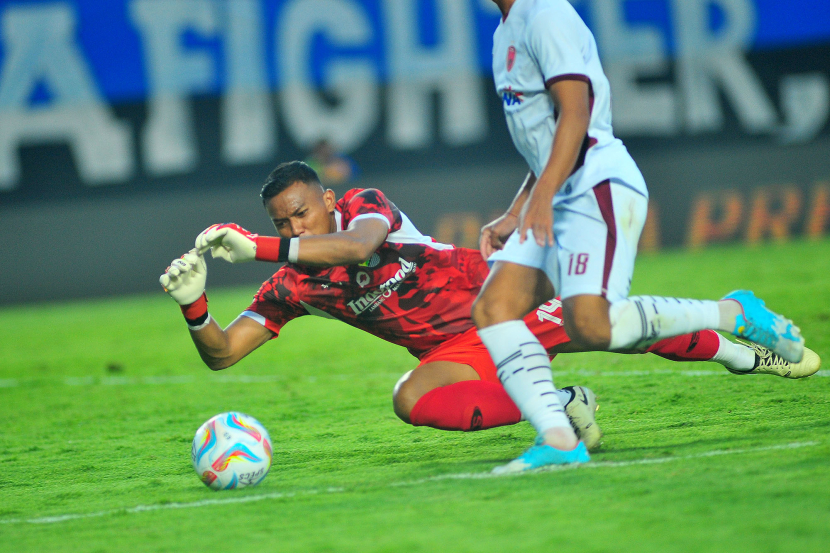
(196, 314)
(277, 250)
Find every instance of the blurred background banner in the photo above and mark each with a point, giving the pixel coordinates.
(127, 126)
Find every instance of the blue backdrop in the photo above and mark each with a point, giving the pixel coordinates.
(113, 48)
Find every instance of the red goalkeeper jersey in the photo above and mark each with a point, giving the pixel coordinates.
(413, 291)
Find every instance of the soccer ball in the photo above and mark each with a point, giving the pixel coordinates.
(231, 450)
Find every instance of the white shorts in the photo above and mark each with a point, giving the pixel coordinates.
(595, 235)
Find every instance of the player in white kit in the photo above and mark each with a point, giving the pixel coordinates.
(557, 102)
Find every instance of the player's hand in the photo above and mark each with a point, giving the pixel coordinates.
(537, 215)
(228, 241)
(495, 234)
(185, 278)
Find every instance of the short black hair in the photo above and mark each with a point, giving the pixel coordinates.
(284, 176)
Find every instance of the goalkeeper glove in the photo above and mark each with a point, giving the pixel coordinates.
(184, 280)
(236, 245)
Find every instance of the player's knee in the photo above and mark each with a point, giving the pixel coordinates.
(491, 309)
(588, 330)
(404, 397)
(480, 313)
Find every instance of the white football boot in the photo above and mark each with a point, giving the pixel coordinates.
(581, 412)
(767, 362)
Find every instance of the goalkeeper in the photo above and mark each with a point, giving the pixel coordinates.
(362, 261)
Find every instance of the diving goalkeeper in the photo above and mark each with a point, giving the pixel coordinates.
(360, 260)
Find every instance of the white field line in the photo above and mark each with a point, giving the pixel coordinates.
(188, 379)
(264, 378)
(459, 476)
(221, 378)
(167, 506)
(659, 372)
(607, 464)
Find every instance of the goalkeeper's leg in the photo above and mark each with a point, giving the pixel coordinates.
(738, 358)
(706, 345)
(453, 396)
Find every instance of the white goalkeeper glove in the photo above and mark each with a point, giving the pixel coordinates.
(185, 278)
(236, 245)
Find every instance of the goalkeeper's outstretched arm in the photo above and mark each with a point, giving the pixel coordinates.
(220, 349)
(237, 245)
(185, 281)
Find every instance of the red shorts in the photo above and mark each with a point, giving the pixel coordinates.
(467, 348)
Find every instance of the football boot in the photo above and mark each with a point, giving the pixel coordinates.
(581, 410)
(767, 362)
(541, 455)
(758, 324)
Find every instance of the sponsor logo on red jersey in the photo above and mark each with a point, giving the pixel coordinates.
(373, 299)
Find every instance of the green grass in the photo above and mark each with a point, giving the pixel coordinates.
(100, 399)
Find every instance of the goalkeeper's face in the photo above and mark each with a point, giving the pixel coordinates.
(302, 210)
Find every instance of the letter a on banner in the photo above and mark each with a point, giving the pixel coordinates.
(40, 50)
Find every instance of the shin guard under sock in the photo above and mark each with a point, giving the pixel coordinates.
(641, 320)
(468, 405)
(523, 368)
(706, 345)
(697, 346)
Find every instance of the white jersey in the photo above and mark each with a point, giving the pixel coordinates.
(539, 43)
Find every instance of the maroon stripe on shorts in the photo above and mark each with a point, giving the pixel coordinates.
(606, 207)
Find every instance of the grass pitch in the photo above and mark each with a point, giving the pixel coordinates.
(100, 401)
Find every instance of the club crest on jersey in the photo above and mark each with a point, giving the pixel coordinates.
(363, 279)
(372, 262)
(373, 299)
(511, 58)
(511, 97)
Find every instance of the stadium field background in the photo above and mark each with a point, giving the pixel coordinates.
(100, 400)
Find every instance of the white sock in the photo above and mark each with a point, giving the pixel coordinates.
(735, 356)
(642, 320)
(524, 371)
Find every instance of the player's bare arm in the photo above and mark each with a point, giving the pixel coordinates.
(348, 247)
(220, 349)
(233, 243)
(303, 216)
(571, 101)
(305, 212)
(495, 233)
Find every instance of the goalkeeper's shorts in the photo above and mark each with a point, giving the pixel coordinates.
(467, 349)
